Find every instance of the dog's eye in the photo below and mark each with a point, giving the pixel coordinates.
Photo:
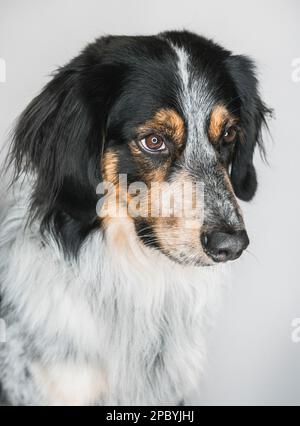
(230, 134)
(153, 143)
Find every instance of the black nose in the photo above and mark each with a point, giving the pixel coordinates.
(223, 246)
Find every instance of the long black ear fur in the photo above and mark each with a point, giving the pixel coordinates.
(253, 118)
(59, 138)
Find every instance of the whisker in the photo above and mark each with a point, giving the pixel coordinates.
(253, 255)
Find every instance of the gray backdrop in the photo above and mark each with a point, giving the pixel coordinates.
(253, 359)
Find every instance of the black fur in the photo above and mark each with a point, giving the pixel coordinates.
(253, 114)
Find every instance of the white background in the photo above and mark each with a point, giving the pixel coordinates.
(252, 358)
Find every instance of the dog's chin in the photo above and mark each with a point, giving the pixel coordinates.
(193, 261)
(186, 259)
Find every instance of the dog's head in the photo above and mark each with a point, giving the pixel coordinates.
(172, 110)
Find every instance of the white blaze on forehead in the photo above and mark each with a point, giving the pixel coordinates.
(196, 103)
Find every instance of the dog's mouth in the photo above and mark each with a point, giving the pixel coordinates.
(190, 260)
(180, 245)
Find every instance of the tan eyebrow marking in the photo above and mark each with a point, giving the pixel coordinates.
(219, 116)
(168, 122)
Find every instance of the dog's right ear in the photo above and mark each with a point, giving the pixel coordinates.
(59, 139)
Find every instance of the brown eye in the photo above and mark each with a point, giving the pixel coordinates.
(153, 143)
(230, 134)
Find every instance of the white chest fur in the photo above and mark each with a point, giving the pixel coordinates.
(125, 313)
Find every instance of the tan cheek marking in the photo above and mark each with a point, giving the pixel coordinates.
(110, 167)
(159, 174)
(120, 234)
(110, 174)
(148, 172)
(177, 235)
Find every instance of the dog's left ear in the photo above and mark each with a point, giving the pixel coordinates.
(59, 139)
(253, 118)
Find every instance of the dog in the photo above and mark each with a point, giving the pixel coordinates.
(113, 309)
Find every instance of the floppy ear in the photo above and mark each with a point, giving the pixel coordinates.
(59, 139)
(253, 117)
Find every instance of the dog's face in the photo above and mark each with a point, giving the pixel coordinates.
(164, 156)
(173, 112)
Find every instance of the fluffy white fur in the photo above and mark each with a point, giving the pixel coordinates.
(121, 325)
